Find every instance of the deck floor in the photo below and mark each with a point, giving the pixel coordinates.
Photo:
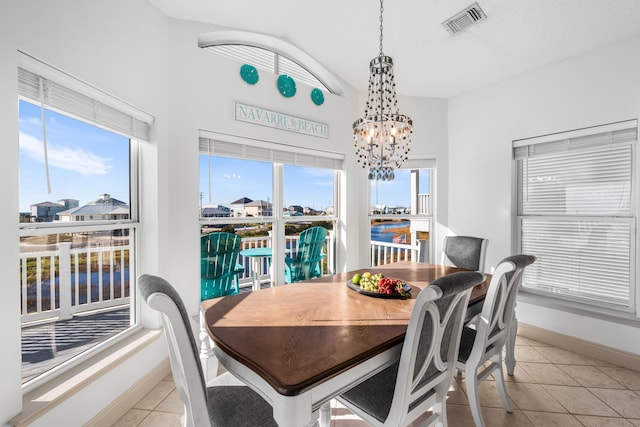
(47, 345)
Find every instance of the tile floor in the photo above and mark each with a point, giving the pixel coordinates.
(551, 387)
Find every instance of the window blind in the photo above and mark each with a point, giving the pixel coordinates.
(271, 152)
(66, 94)
(575, 213)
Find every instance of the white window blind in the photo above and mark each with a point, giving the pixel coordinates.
(575, 213)
(271, 152)
(64, 93)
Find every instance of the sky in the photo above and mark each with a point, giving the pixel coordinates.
(84, 161)
(304, 186)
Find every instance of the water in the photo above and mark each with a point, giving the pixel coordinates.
(378, 234)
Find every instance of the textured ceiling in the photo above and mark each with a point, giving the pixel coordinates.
(518, 35)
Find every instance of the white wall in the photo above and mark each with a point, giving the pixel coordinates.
(594, 88)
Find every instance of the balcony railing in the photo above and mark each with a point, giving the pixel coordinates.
(291, 243)
(57, 284)
(385, 253)
(61, 283)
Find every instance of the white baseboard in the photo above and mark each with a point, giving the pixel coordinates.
(586, 348)
(116, 409)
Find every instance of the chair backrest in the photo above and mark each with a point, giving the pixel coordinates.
(183, 351)
(499, 304)
(465, 252)
(429, 353)
(218, 257)
(310, 244)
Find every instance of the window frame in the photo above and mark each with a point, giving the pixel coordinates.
(277, 154)
(140, 127)
(582, 305)
(413, 164)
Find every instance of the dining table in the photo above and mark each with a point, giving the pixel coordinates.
(302, 344)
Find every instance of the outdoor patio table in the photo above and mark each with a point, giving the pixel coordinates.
(302, 344)
(257, 255)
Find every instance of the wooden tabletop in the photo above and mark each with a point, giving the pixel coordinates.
(298, 335)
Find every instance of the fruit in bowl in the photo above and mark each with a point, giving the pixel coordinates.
(379, 284)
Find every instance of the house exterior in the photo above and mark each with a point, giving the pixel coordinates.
(238, 207)
(101, 209)
(258, 208)
(217, 211)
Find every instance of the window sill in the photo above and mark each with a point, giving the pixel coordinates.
(624, 318)
(36, 403)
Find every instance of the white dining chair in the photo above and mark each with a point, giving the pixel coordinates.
(486, 340)
(465, 252)
(225, 402)
(406, 390)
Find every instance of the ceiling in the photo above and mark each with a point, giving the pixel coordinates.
(517, 36)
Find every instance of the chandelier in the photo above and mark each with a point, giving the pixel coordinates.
(383, 135)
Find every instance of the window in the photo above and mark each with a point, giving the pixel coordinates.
(78, 218)
(401, 214)
(575, 214)
(264, 190)
(272, 55)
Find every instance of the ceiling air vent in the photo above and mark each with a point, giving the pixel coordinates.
(465, 18)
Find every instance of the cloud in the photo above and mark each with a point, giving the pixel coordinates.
(231, 176)
(71, 159)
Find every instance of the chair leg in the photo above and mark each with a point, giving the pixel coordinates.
(500, 384)
(510, 346)
(473, 396)
(440, 409)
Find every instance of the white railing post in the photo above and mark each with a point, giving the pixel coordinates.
(64, 280)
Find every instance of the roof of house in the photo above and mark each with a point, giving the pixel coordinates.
(97, 210)
(242, 201)
(259, 203)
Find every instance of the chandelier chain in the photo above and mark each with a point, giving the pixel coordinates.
(381, 10)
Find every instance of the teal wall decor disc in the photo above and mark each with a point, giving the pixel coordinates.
(249, 74)
(317, 96)
(286, 86)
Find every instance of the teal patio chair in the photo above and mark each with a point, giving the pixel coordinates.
(308, 257)
(219, 268)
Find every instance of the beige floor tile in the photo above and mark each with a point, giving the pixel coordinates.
(155, 396)
(525, 353)
(171, 403)
(547, 373)
(496, 417)
(489, 396)
(551, 419)
(625, 402)
(456, 394)
(533, 397)
(579, 400)
(635, 422)
(162, 419)
(627, 377)
(132, 418)
(519, 375)
(520, 340)
(565, 357)
(458, 416)
(590, 376)
(590, 421)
